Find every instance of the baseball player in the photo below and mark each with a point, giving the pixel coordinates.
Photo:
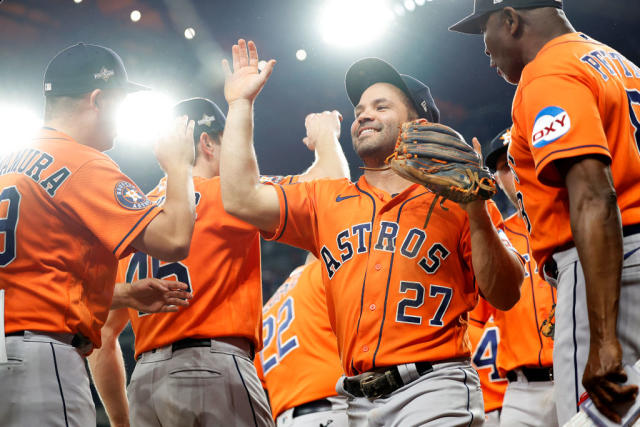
(397, 294)
(485, 336)
(195, 367)
(525, 350)
(299, 363)
(67, 214)
(576, 163)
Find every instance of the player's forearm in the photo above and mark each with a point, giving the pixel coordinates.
(109, 377)
(168, 236)
(120, 296)
(330, 160)
(597, 234)
(239, 173)
(497, 269)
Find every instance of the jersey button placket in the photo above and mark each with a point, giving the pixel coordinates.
(365, 348)
(372, 307)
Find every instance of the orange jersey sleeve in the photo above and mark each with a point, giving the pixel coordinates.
(578, 97)
(222, 271)
(396, 293)
(68, 214)
(300, 360)
(521, 342)
(485, 339)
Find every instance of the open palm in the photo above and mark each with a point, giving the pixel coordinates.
(245, 81)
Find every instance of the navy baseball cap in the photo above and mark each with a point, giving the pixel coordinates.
(497, 146)
(368, 71)
(472, 24)
(208, 117)
(81, 68)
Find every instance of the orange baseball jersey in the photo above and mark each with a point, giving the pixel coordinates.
(67, 214)
(299, 361)
(577, 97)
(485, 339)
(222, 271)
(396, 293)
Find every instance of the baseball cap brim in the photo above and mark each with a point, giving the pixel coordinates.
(135, 87)
(471, 24)
(369, 71)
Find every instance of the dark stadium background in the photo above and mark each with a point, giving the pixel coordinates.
(471, 97)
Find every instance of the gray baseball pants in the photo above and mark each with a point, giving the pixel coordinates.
(571, 342)
(199, 386)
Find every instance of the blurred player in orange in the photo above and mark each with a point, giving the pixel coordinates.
(525, 352)
(299, 363)
(397, 295)
(575, 155)
(67, 214)
(195, 367)
(485, 336)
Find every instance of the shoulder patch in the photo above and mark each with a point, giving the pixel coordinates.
(130, 197)
(551, 123)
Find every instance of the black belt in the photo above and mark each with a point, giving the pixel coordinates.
(381, 382)
(78, 341)
(319, 405)
(195, 342)
(532, 374)
(190, 343)
(551, 268)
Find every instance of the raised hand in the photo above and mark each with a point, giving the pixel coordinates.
(175, 148)
(245, 81)
(320, 124)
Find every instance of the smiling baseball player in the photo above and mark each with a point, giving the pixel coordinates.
(397, 294)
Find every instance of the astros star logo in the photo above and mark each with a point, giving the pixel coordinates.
(130, 197)
(104, 74)
(506, 137)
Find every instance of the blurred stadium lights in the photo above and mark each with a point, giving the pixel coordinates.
(18, 126)
(301, 54)
(399, 9)
(354, 22)
(77, 1)
(420, 2)
(143, 117)
(135, 15)
(189, 33)
(409, 5)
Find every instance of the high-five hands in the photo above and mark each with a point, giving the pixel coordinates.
(245, 81)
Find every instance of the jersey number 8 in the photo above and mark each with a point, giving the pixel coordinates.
(9, 210)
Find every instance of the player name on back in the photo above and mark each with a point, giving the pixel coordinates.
(35, 164)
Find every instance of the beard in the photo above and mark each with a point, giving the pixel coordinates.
(373, 149)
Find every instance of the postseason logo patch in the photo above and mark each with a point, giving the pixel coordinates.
(551, 123)
(130, 197)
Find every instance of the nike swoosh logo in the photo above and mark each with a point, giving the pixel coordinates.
(631, 252)
(341, 198)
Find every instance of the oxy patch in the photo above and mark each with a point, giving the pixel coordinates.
(551, 123)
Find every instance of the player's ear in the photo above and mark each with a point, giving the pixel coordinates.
(95, 98)
(205, 144)
(512, 20)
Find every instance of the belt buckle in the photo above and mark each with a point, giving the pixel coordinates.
(376, 386)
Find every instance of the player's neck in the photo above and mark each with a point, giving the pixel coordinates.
(387, 180)
(80, 134)
(204, 169)
(557, 26)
